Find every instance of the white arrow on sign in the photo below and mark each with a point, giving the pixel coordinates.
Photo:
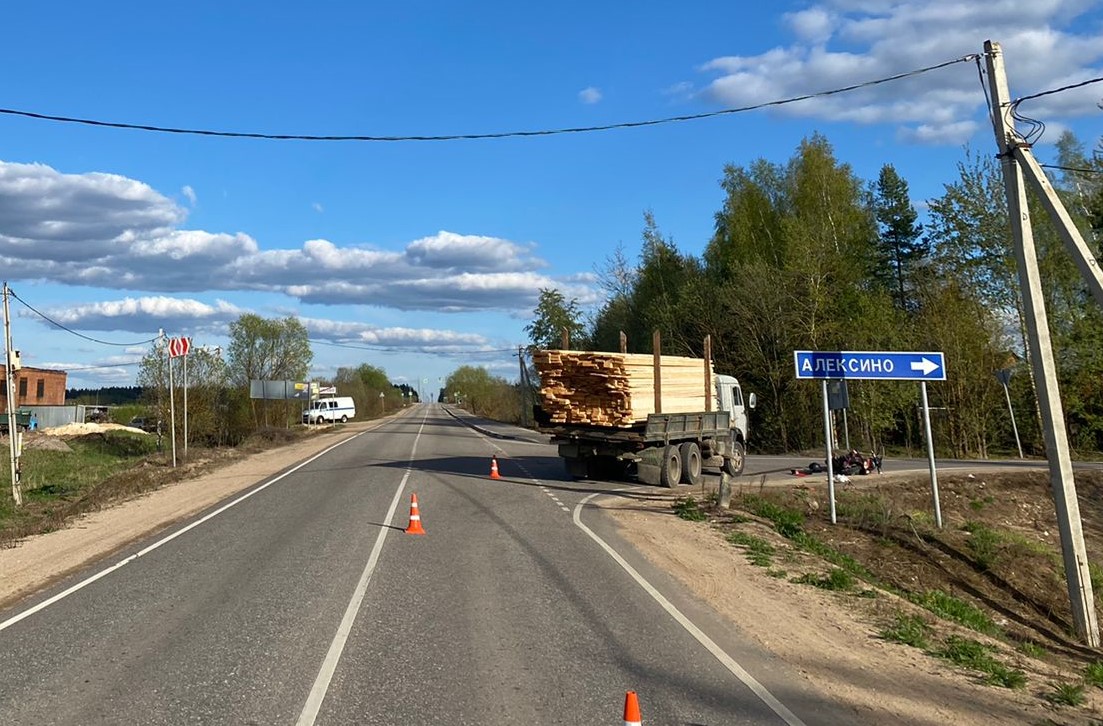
(927, 366)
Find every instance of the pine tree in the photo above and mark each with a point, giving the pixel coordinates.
(900, 246)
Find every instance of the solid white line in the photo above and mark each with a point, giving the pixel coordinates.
(728, 662)
(333, 656)
(165, 540)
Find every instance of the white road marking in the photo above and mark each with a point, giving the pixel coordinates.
(333, 656)
(726, 660)
(164, 540)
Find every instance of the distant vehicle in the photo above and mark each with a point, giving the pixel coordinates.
(96, 414)
(22, 421)
(145, 423)
(330, 410)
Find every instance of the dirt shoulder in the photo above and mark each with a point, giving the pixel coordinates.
(780, 591)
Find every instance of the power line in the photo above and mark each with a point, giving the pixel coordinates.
(1051, 91)
(478, 136)
(1072, 168)
(73, 332)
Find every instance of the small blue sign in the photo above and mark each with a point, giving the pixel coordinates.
(880, 365)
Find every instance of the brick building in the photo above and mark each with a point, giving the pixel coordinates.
(35, 387)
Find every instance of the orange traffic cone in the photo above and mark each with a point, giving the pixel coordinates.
(632, 710)
(415, 518)
(494, 468)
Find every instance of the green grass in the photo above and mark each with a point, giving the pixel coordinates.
(1032, 650)
(788, 522)
(1093, 674)
(978, 504)
(759, 551)
(835, 580)
(867, 511)
(687, 508)
(774, 572)
(1066, 694)
(984, 544)
(976, 656)
(909, 630)
(58, 485)
(951, 608)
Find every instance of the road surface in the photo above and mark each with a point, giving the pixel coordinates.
(305, 602)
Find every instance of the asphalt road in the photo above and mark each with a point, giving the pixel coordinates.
(306, 602)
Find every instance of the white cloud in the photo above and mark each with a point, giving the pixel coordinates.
(838, 43)
(102, 230)
(589, 95)
(146, 314)
(188, 192)
(317, 207)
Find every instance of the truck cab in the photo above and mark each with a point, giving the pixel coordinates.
(729, 397)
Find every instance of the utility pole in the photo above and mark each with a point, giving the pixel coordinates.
(11, 365)
(522, 382)
(1013, 152)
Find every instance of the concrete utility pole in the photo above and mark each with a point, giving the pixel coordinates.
(1013, 151)
(10, 367)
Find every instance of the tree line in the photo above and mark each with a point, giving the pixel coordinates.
(220, 408)
(805, 255)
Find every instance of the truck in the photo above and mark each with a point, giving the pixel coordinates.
(22, 420)
(665, 449)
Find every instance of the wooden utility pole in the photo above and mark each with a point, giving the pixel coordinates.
(657, 368)
(1014, 154)
(10, 367)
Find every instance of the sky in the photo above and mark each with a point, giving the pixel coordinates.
(422, 256)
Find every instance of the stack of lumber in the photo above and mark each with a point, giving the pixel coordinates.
(616, 389)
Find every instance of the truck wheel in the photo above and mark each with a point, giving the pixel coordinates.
(733, 465)
(670, 473)
(344, 418)
(691, 463)
(576, 468)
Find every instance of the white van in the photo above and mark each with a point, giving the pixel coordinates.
(331, 410)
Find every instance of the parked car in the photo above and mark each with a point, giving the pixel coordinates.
(145, 423)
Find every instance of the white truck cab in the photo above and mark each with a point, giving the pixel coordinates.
(729, 397)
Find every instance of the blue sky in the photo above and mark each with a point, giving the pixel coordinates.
(419, 257)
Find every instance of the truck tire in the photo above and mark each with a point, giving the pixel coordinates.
(691, 463)
(344, 418)
(733, 464)
(670, 471)
(576, 468)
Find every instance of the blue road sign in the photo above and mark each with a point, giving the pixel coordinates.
(882, 365)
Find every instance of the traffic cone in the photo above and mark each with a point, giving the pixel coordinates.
(494, 468)
(632, 710)
(415, 518)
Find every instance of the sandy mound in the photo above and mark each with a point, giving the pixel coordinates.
(82, 429)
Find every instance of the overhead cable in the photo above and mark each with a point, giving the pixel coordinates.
(50, 320)
(492, 135)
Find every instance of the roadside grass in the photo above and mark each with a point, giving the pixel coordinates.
(977, 656)
(759, 552)
(1033, 650)
(908, 630)
(951, 608)
(1066, 694)
(836, 579)
(687, 508)
(1093, 674)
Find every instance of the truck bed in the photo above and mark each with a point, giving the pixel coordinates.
(659, 427)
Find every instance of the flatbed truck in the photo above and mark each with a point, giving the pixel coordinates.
(666, 449)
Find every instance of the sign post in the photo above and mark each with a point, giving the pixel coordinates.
(178, 347)
(874, 365)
